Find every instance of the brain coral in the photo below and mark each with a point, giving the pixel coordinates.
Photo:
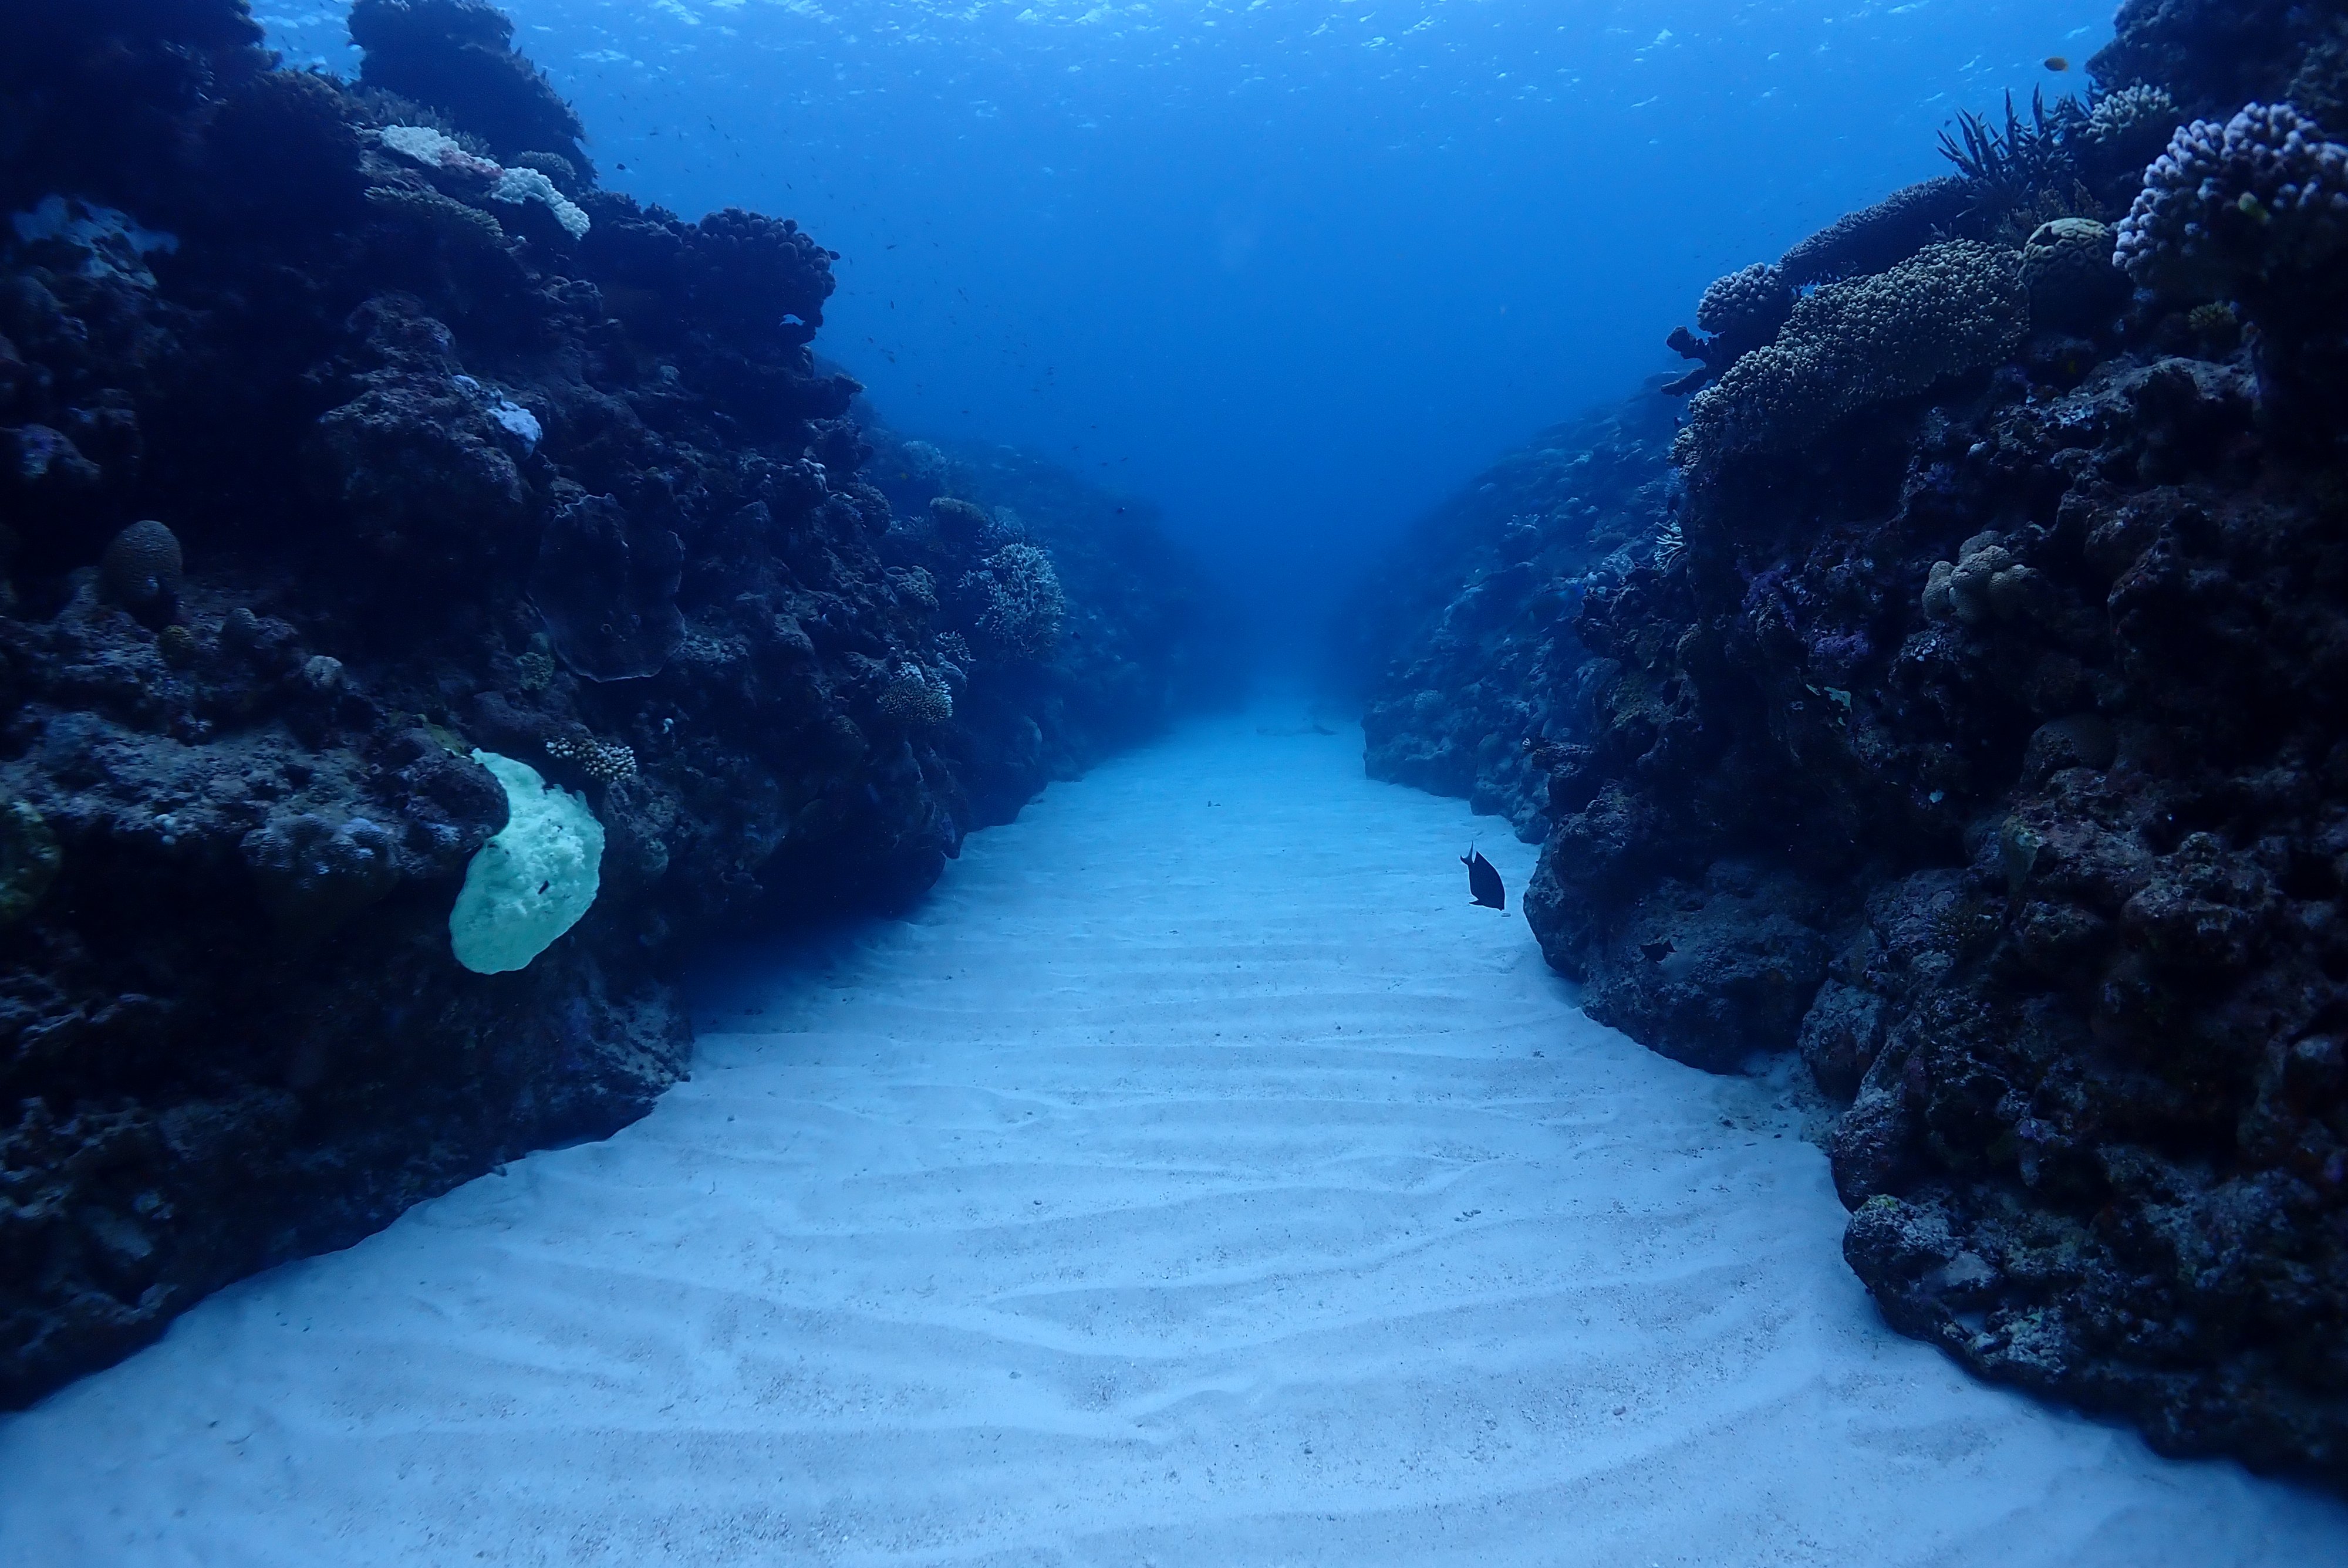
(140, 570)
(1951, 308)
(2068, 268)
(2231, 209)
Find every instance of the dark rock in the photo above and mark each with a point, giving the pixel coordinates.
(608, 590)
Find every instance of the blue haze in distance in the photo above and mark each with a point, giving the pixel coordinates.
(1291, 269)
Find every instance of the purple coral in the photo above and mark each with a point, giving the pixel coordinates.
(2231, 207)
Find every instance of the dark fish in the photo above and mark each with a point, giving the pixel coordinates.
(1483, 882)
(2057, 63)
(1656, 952)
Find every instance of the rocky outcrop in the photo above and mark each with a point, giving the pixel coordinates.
(1984, 743)
(337, 445)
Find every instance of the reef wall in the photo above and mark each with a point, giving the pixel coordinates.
(342, 433)
(1983, 739)
(1461, 643)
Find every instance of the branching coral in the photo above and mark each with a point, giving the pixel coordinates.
(1024, 601)
(2238, 209)
(2130, 123)
(603, 760)
(912, 697)
(1952, 308)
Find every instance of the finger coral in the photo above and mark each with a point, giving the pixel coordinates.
(2234, 207)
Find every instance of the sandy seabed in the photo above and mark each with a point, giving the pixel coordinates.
(1195, 1180)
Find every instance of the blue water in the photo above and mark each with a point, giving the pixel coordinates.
(1294, 268)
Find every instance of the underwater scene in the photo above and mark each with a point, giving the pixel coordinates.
(1215, 783)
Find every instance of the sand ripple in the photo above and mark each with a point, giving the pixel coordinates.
(1196, 1180)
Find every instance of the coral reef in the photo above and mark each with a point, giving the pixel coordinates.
(1461, 641)
(1982, 743)
(2254, 212)
(332, 478)
(458, 56)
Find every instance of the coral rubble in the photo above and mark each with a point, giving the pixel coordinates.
(352, 435)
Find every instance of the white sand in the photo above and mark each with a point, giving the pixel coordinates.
(1197, 1181)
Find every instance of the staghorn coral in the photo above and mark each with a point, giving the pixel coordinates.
(1024, 601)
(1953, 307)
(2238, 209)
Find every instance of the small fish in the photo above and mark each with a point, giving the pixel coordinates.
(1483, 882)
(2057, 63)
(1656, 952)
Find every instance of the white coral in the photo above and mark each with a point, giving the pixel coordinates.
(519, 185)
(433, 151)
